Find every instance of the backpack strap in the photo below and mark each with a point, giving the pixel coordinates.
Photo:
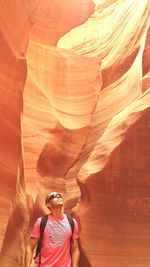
(71, 222)
(39, 244)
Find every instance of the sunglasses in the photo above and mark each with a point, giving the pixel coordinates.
(52, 196)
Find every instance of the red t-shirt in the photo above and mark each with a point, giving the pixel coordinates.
(55, 250)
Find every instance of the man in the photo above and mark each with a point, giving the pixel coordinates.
(57, 248)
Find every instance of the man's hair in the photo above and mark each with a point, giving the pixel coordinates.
(50, 195)
(47, 199)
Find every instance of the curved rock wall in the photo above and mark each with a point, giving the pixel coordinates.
(74, 101)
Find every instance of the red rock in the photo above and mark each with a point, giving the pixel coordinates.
(74, 103)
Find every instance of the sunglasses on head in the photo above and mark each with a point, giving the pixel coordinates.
(52, 196)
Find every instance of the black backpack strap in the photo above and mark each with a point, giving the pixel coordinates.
(39, 244)
(71, 222)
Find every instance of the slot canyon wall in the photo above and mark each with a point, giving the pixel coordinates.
(74, 117)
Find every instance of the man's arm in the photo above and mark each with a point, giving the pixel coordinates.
(29, 251)
(75, 253)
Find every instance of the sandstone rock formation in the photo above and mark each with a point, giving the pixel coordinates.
(74, 100)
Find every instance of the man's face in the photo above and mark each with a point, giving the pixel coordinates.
(55, 199)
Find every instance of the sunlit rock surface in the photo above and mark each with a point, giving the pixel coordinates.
(74, 102)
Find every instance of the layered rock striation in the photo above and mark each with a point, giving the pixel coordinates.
(74, 101)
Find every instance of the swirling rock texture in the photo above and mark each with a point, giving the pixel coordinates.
(74, 102)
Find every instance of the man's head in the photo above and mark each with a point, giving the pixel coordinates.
(53, 200)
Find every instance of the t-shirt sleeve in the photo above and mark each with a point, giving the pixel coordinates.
(76, 230)
(36, 229)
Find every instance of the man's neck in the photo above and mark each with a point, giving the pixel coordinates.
(57, 212)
